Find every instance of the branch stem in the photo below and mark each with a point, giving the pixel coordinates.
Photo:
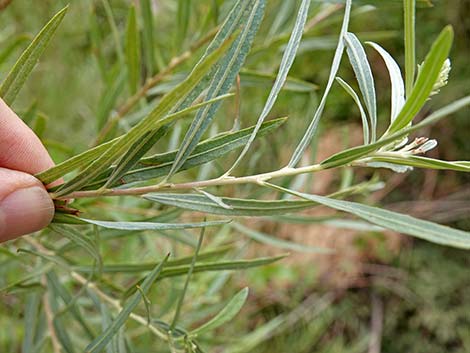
(224, 180)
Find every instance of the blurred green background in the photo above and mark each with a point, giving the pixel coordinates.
(412, 297)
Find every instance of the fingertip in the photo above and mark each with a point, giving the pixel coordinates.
(25, 205)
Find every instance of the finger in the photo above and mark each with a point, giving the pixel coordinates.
(25, 205)
(20, 148)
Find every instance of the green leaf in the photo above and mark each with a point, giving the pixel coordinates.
(80, 160)
(58, 323)
(82, 241)
(143, 267)
(111, 92)
(148, 38)
(29, 276)
(276, 242)
(286, 63)
(90, 155)
(357, 57)
(152, 225)
(423, 162)
(352, 154)
(142, 146)
(410, 43)
(183, 16)
(238, 207)
(397, 222)
(135, 153)
(221, 82)
(102, 340)
(220, 266)
(31, 316)
(19, 73)
(427, 77)
(206, 151)
(312, 128)
(232, 308)
(156, 119)
(71, 306)
(114, 30)
(133, 50)
(355, 97)
(233, 265)
(396, 80)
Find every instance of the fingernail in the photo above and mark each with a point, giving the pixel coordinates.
(25, 211)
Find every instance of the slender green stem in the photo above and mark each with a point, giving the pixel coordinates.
(188, 277)
(410, 55)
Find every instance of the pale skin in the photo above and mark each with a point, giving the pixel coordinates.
(25, 205)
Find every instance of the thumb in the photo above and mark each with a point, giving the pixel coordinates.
(25, 205)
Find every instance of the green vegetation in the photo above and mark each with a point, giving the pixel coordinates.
(184, 185)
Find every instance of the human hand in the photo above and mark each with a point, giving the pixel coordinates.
(25, 205)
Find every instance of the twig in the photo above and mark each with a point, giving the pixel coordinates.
(224, 180)
(376, 325)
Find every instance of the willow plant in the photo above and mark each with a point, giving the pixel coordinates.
(120, 165)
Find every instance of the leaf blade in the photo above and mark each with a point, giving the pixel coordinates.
(357, 57)
(424, 83)
(19, 73)
(405, 224)
(229, 311)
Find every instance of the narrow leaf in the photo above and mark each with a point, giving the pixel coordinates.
(424, 162)
(405, 224)
(101, 341)
(148, 37)
(132, 50)
(352, 154)
(312, 128)
(355, 97)
(232, 308)
(206, 151)
(90, 155)
(221, 82)
(144, 267)
(357, 57)
(183, 16)
(286, 63)
(410, 43)
(232, 265)
(396, 80)
(82, 241)
(427, 77)
(238, 207)
(152, 225)
(19, 73)
(156, 119)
